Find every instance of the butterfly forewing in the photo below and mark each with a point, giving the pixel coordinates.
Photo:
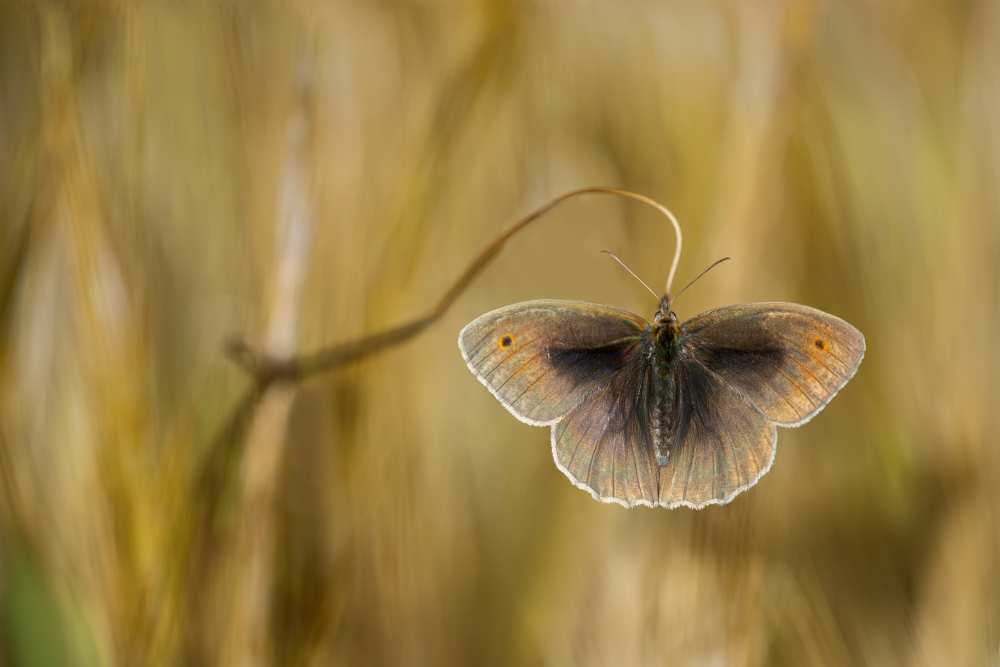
(788, 360)
(542, 358)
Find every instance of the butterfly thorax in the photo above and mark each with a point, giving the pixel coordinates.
(664, 333)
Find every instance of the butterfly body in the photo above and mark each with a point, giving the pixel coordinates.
(662, 413)
(661, 346)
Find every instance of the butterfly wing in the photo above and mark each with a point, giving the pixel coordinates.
(788, 360)
(722, 444)
(542, 358)
(603, 446)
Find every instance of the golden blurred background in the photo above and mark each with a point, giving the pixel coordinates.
(304, 173)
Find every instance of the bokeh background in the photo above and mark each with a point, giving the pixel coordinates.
(305, 173)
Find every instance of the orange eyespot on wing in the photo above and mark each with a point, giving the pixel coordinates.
(505, 341)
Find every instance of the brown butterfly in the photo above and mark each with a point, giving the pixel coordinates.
(662, 413)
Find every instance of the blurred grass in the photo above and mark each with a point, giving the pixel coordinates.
(305, 173)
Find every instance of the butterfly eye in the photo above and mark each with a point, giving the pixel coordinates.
(505, 341)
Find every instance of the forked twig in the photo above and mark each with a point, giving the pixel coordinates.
(267, 370)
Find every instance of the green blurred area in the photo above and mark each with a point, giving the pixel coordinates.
(304, 173)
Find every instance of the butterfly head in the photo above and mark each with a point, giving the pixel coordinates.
(664, 313)
(665, 319)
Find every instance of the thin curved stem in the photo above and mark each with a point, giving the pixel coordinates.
(268, 370)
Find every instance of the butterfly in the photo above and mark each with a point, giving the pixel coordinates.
(662, 413)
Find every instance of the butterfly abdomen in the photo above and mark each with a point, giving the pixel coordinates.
(659, 428)
(658, 431)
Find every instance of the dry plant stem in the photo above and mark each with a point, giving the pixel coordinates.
(267, 370)
(246, 640)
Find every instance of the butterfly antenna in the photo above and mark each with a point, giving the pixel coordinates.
(631, 272)
(711, 266)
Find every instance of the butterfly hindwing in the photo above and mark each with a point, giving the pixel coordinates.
(542, 358)
(721, 445)
(603, 445)
(788, 360)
